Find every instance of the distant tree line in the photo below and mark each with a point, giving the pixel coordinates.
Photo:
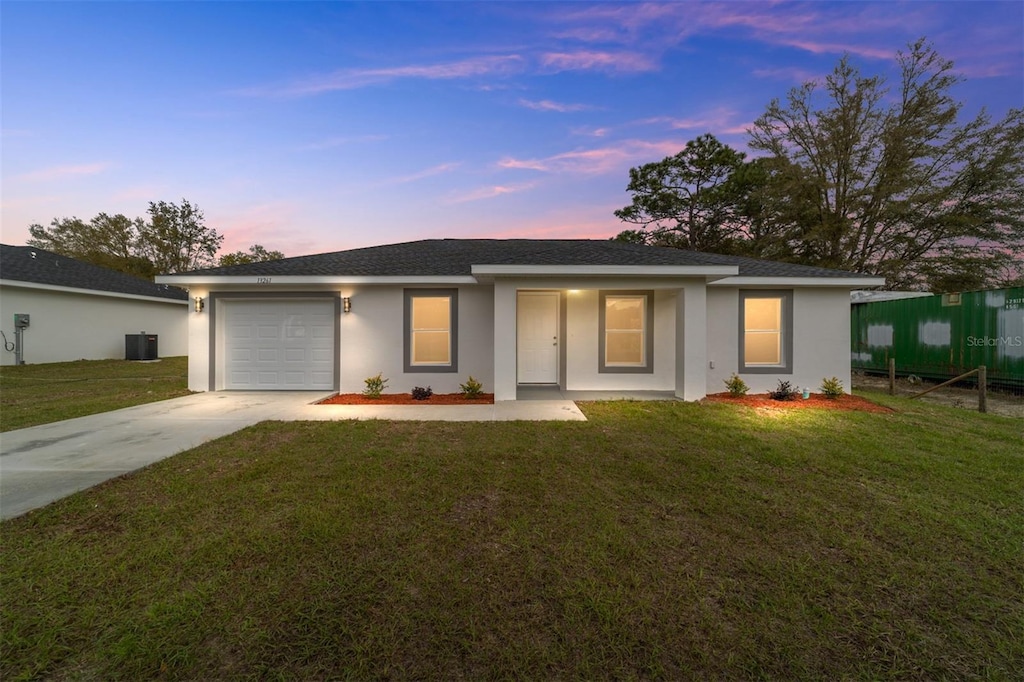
(174, 239)
(857, 175)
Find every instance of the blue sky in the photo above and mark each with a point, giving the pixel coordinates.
(312, 127)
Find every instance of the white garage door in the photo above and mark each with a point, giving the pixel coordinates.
(278, 345)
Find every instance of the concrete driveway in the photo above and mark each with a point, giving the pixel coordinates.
(44, 463)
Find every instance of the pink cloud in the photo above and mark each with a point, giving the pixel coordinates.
(597, 161)
(720, 121)
(425, 173)
(63, 172)
(829, 47)
(852, 27)
(588, 60)
(591, 132)
(579, 221)
(548, 105)
(350, 79)
(488, 193)
(792, 74)
(271, 224)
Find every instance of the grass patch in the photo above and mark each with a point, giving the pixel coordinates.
(656, 541)
(40, 394)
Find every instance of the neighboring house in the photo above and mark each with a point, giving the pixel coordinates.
(81, 311)
(579, 314)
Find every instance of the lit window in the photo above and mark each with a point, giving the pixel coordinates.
(430, 319)
(765, 331)
(626, 343)
(431, 330)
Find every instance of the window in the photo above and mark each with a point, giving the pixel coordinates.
(626, 343)
(431, 330)
(766, 339)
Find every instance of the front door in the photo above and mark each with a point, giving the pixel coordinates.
(537, 337)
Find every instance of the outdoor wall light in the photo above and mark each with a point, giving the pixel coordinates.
(200, 304)
(346, 304)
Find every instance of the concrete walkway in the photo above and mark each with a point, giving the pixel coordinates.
(44, 463)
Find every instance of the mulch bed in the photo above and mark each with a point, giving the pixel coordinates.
(817, 400)
(407, 399)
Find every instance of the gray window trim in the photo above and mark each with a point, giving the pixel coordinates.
(410, 368)
(787, 331)
(647, 368)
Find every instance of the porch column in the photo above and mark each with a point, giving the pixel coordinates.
(691, 341)
(504, 340)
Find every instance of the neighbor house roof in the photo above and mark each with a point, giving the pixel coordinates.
(40, 267)
(456, 257)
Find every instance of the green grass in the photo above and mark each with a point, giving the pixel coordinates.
(40, 394)
(655, 541)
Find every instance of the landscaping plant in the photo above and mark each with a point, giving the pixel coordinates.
(375, 386)
(784, 391)
(737, 387)
(832, 388)
(472, 388)
(420, 393)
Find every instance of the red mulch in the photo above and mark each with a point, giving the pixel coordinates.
(407, 399)
(817, 400)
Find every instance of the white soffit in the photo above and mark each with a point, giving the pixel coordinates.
(840, 282)
(187, 280)
(710, 271)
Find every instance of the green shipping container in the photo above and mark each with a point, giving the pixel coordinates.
(943, 336)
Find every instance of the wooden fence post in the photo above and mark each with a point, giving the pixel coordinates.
(892, 376)
(982, 389)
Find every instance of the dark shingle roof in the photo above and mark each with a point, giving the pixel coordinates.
(451, 257)
(29, 264)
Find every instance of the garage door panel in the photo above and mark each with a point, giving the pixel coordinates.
(277, 344)
(295, 355)
(322, 377)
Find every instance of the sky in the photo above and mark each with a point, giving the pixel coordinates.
(322, 126)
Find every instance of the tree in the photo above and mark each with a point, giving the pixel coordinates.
(895, 185)
(686, 200)
(256, 254)
(174, 240)
(109, 241)
(177, 240)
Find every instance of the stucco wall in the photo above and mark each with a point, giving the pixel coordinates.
(372, 337)
(67, 326)
(584, 334)
(372, 341)
(821, 339)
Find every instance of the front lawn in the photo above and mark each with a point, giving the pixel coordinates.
(655, 541)
(40, 394)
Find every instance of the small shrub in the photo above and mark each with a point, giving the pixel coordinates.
(375, 386)
(472, 388)
(737, 387)
(420, 393)
(832, 388)
(784, 391)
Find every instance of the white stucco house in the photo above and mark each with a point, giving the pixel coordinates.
(578, 314)
(81, 311)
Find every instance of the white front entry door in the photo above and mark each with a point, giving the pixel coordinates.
(278, 344)
(537, 337)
